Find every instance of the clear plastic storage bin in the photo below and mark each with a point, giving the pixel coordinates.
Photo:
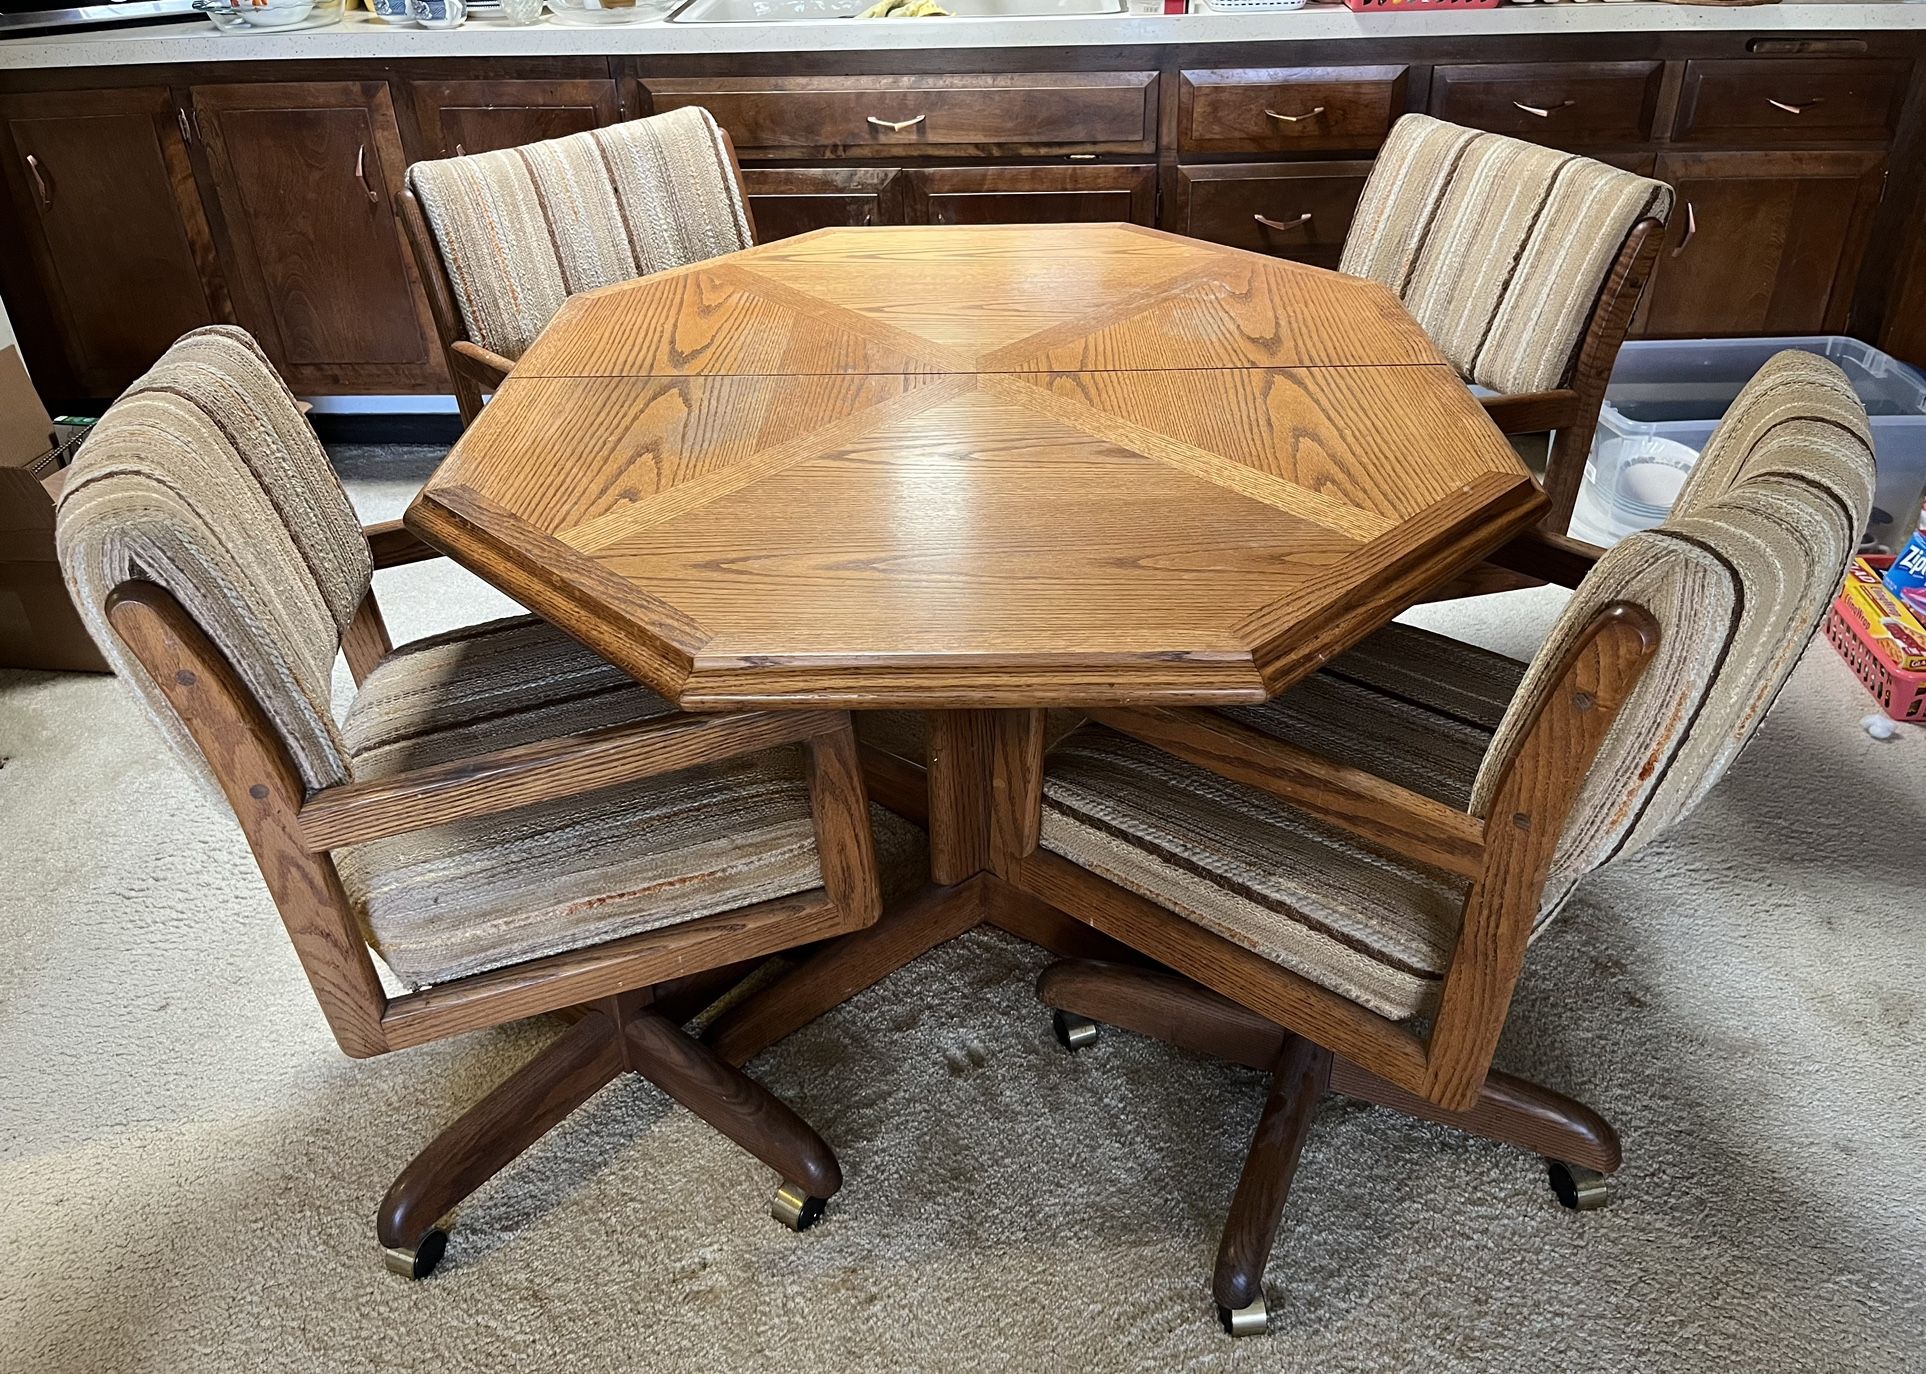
(1667, 395)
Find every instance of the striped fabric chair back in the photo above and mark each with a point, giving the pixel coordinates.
(1497, 247)
(1739, 578)
(205, 478)
(523, 229)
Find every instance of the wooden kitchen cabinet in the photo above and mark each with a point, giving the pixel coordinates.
(1295, 210)
(785, 201)
(461, 117)
(305, 174)
(1033, 195)
(1761, 243)
(891, 117)
(102, 187)
(1563, 104)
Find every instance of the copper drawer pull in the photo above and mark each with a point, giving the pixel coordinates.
(40, 183)
(1541, 111)
(1296, 119)
(1691, 228)
(1280, 226)
(1790, 108)
(361, 173)
(896, 126)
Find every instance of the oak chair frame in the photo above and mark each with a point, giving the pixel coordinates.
(473, 369)
(1223, 999)
(630, 994)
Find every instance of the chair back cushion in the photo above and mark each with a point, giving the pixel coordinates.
(523, 229)
(1497, 247)
(205, 478)
(1739, 578)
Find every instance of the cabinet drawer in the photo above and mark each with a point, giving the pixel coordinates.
(1288, 109)
(899, 116)
(1814, 100)
(1033, 195)
(785, 201)
(1564, 104)
(1290, 210)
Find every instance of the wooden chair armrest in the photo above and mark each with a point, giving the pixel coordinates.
(356, 812)
(1548, 557)
(486, 368)
(1534, 798)
(1531, 412)
(393, 544)
(1375, 810)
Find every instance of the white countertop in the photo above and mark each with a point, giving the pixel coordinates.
(360, 35)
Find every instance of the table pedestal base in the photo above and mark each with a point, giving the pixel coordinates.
(845, 966)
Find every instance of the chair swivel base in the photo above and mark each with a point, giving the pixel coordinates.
(1579, 1147)
(626, 1034)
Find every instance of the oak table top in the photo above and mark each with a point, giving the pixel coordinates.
(977, 466)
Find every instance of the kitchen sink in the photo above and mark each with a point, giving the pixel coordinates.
(808, 11)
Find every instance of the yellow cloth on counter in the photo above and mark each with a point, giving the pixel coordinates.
(905, 9)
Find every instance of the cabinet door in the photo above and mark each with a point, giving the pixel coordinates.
(1761, 243)
(1296, 210)
(305, 174)
(794, 200)
(121, 257)
(1033, 195)
(461, 117)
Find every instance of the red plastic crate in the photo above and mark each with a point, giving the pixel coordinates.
(1389, 6)
(1900, 692)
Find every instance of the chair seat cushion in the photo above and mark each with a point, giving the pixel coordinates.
(476, 894)
(1406, 704)
(1411, 706)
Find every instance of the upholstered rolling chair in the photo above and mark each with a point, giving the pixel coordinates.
(503, 238)
(1344, 880)
(510, 824)
(1524, 265)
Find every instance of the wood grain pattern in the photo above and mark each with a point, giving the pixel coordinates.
(1299, 1077)
(976, 466)
(1526, 818)
(485, 784)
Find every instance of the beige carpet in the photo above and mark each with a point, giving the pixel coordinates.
(189, 1168)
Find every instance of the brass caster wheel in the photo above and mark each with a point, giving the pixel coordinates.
(795, 1208)
(419, 1262)
(1579, 1188)
(1074, 1032)
(1244, 1321)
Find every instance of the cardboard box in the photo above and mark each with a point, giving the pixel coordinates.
(39, 627)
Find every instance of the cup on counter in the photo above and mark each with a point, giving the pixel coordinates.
(522, 11)
(391, 11)
(438, 14)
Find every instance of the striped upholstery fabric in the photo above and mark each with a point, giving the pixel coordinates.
(1257, 872)
(1497, 247)
(473, 895)
(1738, 579)
(522, 229)
(205, 478)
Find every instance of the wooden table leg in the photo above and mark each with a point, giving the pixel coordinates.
(963, 895)
(960, 762)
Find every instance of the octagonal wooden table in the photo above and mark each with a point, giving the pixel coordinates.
(968, 468)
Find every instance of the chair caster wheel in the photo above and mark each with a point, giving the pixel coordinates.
(419, 1262)
(1074, 1032)
(1244, 1321)
(1579, 1188)
(795, 1208)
